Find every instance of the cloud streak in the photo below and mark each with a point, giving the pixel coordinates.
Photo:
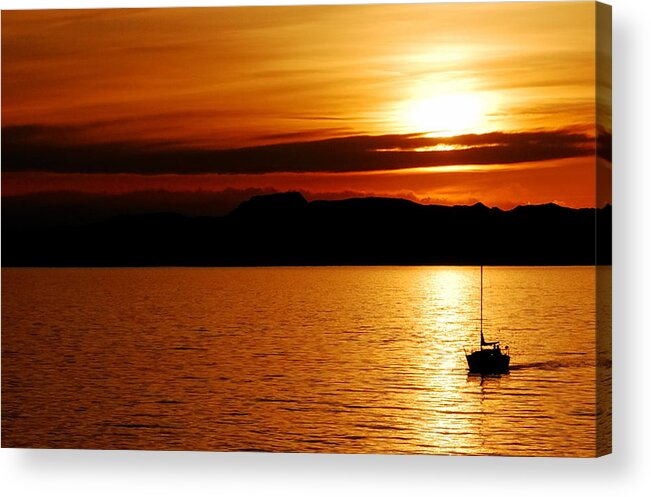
(55, 149)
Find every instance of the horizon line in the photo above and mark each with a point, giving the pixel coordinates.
(79, 193)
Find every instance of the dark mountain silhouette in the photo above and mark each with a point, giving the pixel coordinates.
(58, 208)
(285, 229)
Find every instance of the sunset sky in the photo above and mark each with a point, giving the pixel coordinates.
(440, 103)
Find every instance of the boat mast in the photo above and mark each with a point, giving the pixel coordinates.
(481, 306)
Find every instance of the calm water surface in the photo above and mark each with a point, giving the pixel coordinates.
(350, 359)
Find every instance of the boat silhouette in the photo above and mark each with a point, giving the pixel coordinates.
(490, 358)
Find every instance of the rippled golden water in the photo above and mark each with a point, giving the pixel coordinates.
(344, 359)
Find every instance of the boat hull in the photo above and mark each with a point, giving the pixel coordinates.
(488, 361)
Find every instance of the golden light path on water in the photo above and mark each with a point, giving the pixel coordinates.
(446, 289)
(319, 359)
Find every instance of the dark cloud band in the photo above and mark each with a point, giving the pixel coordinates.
(41, 148)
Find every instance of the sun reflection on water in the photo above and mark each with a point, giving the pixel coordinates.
(446, 312)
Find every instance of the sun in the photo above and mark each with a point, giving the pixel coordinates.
(444, 115)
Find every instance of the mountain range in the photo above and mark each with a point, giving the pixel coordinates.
(285, 229)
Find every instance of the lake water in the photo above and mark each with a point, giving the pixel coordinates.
(331, 359)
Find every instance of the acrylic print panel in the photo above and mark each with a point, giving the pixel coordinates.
(349, 229)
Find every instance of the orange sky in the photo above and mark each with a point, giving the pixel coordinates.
(363, 100)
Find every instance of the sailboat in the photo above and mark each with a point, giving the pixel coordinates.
(490, 358)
